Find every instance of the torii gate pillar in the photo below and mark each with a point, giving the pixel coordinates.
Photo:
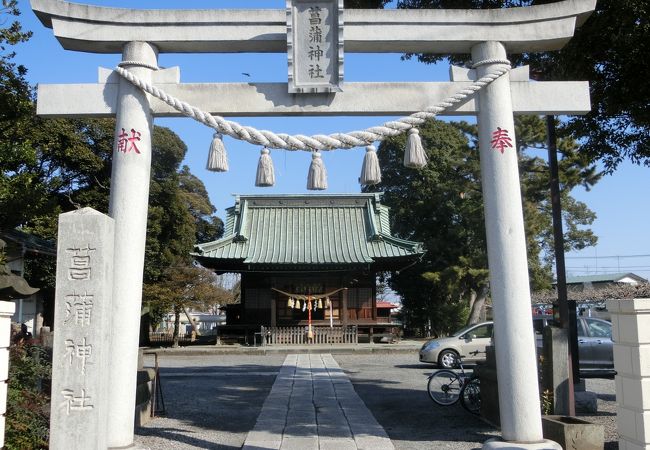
(129, 207)
(506, 242)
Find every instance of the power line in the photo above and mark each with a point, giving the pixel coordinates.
(612, 267)
(607, 269)
(602, 257)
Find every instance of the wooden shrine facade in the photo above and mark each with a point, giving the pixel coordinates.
(296, 251)
(352, 306)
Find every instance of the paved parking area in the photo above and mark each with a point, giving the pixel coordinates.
(214, 402)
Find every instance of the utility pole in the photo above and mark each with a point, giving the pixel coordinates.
(567, 310)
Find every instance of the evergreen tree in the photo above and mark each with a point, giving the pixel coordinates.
(609, 50)
(51, 166)
(442, 206)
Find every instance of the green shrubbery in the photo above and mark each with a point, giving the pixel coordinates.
(28, 403)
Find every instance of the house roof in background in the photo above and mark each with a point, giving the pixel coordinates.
(307, 230)
(32, 243)
(604, 278)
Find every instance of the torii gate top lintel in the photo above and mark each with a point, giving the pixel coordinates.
(95, 29)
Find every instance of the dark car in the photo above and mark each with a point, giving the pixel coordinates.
(595, 346)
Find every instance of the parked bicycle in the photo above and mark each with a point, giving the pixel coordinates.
(446, 387)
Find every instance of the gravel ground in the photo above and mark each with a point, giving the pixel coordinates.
(212, 402)
(394, 387)
(606, 416)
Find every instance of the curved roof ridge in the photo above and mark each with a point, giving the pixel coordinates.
(304, 229)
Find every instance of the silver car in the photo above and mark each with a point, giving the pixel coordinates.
(595, 346)
(465, 342)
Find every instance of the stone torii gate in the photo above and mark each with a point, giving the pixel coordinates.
(141, 35)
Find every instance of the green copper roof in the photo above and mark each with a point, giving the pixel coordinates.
(308, 230)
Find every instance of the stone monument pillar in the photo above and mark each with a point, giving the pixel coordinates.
(129, 206)
(80, 355)
(519, 403)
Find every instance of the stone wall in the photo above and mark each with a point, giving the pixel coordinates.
(631, 336)
(6, 310)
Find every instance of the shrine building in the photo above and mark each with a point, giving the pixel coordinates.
(308, 261)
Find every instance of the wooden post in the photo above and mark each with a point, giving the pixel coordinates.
(374, 303)
(344, 308)
(274, 308)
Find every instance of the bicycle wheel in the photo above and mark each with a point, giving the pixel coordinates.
(444, 387)
(470, 396)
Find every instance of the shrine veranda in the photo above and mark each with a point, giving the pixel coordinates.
(141, 35)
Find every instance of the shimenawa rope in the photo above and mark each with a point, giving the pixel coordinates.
(334, 141)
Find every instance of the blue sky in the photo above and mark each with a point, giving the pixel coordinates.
(620, 200)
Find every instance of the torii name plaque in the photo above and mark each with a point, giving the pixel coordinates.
(315, 45)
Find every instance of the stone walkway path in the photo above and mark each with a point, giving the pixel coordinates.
(313, 406)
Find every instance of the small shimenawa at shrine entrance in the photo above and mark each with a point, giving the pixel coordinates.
(138, 90)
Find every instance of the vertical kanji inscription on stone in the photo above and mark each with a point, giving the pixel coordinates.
(82, 321)
(79, 309)
(315, 45)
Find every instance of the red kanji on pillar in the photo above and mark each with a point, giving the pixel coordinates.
(126, 142)
(501, 139)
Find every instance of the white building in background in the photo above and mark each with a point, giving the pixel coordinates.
(602, 281)
(206, 323)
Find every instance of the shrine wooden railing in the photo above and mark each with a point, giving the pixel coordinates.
(299, 335)
(167, 337)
